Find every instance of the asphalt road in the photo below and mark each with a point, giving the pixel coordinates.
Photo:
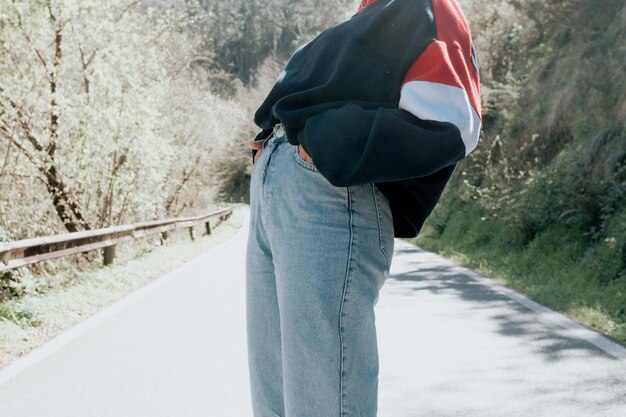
(451, 343)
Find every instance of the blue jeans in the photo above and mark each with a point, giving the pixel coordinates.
(316, 258)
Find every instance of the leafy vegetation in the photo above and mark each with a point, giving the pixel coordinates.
(29, 321)
(540, 203)
(130, 110)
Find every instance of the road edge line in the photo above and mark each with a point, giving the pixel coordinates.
(574, 328)
(72, 333)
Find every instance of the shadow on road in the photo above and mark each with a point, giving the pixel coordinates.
(518, 321)
(483, 348)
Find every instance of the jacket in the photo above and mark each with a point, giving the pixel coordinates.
(390, 96)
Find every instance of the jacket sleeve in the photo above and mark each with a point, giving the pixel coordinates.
(436, 124)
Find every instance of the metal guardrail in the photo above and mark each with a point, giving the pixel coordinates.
(28, 251)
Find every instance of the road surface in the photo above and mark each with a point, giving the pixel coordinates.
(451, 343)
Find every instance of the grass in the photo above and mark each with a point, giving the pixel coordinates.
(555, 169)
(558, 268)
(30, 321)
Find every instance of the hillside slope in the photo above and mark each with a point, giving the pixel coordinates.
(540, 203)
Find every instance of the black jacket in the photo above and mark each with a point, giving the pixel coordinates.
(390, 96)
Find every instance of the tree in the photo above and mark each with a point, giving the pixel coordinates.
(85, 118)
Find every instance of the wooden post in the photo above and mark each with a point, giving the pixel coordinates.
(208, 228)
(109, 255)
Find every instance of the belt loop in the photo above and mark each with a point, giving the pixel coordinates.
(279, 130)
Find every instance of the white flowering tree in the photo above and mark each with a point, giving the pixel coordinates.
(102, 118)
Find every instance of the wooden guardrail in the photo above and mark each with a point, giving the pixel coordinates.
(28, 251)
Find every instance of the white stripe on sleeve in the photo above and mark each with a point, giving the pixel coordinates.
(442, 103)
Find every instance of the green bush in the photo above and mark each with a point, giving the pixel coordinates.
(582, 189)
(541, 202)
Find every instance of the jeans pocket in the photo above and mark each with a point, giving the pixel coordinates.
(385, 222)
(302, 162)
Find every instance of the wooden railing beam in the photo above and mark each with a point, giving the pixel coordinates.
(28, 251)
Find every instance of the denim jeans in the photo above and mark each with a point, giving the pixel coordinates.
(316, 258)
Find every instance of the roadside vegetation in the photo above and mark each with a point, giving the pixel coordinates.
(540, 204)
(126, 111)
(31, 320)
(132, 110)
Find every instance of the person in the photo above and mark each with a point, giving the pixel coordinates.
(359, 136)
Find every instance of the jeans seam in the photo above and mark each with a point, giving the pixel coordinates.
(380, 223)
(273, 413)
(343, 301)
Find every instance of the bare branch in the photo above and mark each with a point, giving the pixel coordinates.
(24, 122)
(20, 25)
(11, 138)
(85, 62)
(186, 177)
(6, 160)
(54, 73)
(126, 9)
(122, 212)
